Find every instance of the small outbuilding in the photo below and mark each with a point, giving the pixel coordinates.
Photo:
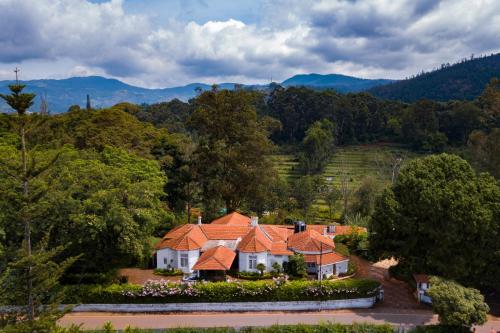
(214, 263)
(422, 282)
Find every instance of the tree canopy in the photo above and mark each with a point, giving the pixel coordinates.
(440, 209)
(232, 157)
(457, 305)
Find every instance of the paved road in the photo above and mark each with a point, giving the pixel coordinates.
(157, 321)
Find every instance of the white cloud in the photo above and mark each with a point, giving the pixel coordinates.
(370, 38)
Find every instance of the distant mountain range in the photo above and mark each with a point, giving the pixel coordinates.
(341, 83)
(104, 92)
(463, 80)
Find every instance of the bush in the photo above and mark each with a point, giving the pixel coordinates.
(253, 276)
(278, 289)
(168, 272)
(440, 329)
(295, 266)
(342, 249)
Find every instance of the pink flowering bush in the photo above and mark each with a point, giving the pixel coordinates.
(277, 289)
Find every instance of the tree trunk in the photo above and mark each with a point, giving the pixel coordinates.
(25, 218)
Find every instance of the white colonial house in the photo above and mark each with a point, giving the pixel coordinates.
(237, 242)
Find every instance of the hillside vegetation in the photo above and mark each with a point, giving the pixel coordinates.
(464, 80)
(357, 162)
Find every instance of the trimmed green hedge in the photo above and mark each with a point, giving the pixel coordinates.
(322, 328)
(249, 291)
(168, 272)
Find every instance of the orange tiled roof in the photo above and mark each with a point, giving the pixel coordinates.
(280, 248)
(421, 278)
(234, 218)
(310, 241)
(184, 238)
(255, 241)
(326, 259)
(273, 238)
(218, 258)
(224, 231)
(275, 232)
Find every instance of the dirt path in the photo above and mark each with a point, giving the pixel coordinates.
(397, 294)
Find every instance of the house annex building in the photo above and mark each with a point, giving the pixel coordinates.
(237, 242)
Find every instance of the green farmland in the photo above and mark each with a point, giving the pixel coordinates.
(356, 162)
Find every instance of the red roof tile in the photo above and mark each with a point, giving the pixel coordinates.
(218, 258)
(325, 259)
(234, 218)
(310, 241)
(224, 231)
(255, 241)
(184, 238)
(275, 232)
(421, 278)
(280, 248)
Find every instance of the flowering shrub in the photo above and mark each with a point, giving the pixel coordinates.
(301, 328)
(278, 289)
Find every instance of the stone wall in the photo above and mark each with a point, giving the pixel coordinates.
(357, 303)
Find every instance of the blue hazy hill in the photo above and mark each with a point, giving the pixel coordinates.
(341, 83)
(105, 92)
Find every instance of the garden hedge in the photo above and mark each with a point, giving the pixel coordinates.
(322, 328)
(248, 291)
(301, 328)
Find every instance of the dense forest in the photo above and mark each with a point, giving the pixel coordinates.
(463, 80)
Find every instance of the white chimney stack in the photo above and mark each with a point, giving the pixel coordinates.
(199, 219)
(255, 221)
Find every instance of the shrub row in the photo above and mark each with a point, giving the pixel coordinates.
(322, 328)
(248, 291)
(168, 272)
(301, 328)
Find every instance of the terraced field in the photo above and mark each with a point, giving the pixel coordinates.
(356, 162)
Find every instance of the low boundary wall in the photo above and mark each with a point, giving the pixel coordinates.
(356, 303)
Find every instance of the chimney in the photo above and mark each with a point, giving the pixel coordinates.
(199, 219)
(255, 221)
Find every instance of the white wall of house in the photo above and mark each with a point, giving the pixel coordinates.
(166, 257)
(326, 270)
(271, 259)
(244, 261)
(423, 286)
(342, 267)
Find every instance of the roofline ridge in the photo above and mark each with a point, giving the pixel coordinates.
(204, 233)
(265, 233)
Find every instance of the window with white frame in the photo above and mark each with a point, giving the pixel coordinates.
(184, 260)
(252, 262)
(165, 261)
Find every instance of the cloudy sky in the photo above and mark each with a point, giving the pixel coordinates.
(161, 43)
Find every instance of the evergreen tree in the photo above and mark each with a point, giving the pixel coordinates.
(29, 279)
